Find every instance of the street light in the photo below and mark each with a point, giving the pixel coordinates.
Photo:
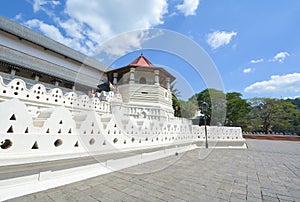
(204, 111)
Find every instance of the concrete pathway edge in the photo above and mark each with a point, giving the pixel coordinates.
(15, 187)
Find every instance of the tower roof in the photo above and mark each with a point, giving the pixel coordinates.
(141, 61)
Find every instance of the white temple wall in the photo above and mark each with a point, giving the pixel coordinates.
(52, 125)
(147, 95)
(24, 46)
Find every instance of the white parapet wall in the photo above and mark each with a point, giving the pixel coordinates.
(37, 125)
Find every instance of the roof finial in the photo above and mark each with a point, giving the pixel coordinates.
(142, 53)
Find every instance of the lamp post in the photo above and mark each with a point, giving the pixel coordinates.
(204, 111)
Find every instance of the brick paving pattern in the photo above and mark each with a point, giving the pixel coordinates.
(266, 171)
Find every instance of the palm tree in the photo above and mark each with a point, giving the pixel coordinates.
(175, 91)
(175, 100)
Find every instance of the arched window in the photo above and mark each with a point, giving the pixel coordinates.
(142, 80)
(144, 115)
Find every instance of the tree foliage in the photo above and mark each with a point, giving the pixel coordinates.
(237, 110)
(216, 101)
(188, 108)
(273, 115)
(267, 115)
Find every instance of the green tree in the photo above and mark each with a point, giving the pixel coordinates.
(295, 101)
(176, 106)
(175, 100)
(273, 115)
(237, 110)
(216, 101)
(188, 108)
(288, 118)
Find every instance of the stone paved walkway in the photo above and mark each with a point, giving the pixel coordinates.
(266, 171)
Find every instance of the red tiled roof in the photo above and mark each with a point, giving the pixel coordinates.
(141, 61)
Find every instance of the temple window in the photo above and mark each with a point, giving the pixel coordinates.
(142, 80)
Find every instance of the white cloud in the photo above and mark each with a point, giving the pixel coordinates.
(124, 43)
(219, 38)
(100, 20)
(37, 5)
(280, 57)
(88, 25)
(108, 18)
(72, 28)
(257, 61)
(188, 7)
(40, 4)
(49, 30)
(248, 70)
(289, 83)
(18, 16)
(53, 32)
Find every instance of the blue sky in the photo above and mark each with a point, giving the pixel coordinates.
(254, 44)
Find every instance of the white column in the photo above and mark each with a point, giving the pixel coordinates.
(168, 83)
(73, 88)
(36, 77)
(13, 71)
(156, 77)
(115, 78)
(56, 83)
(132, 70)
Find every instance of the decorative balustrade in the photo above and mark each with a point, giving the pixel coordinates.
(46, 123)
(37, 95)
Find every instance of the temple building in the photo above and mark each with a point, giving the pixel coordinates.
(34, 58)
(48, 112)
(141, 83)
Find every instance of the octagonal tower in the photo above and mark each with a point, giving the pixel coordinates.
(144, 86)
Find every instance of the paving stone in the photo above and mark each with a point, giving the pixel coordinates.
(269, 199)
(268, 169)
(234, 199)
(238, 195)
(287, 198)
(253, 199)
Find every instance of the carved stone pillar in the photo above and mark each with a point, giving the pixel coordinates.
(168, 83)
(13, 70)
(36, 77)
(156, 77)
(56, 82)
(115, 81)
(132, 79)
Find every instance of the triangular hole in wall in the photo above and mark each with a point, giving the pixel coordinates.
(104, 143)
(70, 131)
(48, 130)
(35, 145)
(10, 130)
(27, 131)
(92, 132)
(13, 117)
(60, 122)
(59, 131)
(76, 144)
